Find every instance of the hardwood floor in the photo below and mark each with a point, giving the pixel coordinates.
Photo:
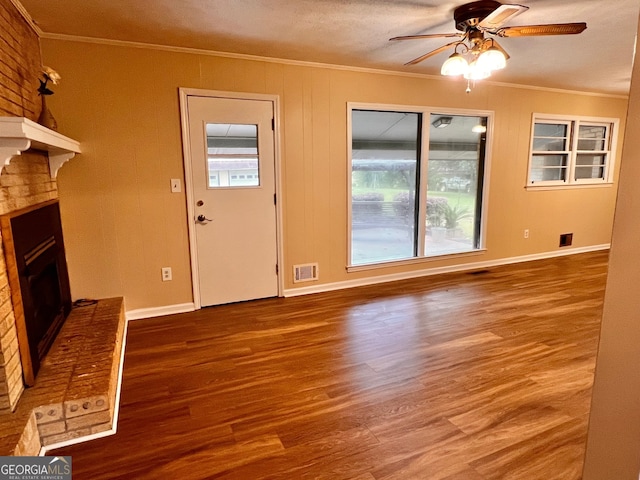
(465, 376)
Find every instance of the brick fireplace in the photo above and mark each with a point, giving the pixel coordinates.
(37, 270)
(22, 171)
(75, 393)
(25, 182)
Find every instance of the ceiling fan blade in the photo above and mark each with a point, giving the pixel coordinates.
(500, 15)
(431, 53)
(430, 35)
(537, 30)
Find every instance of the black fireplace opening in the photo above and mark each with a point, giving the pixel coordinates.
(44, 281)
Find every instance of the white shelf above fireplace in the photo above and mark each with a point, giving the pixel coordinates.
(18, 134)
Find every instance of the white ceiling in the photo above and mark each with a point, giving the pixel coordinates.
(356, 33)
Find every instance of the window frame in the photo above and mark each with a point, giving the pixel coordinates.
(574, 123)
(423, 155)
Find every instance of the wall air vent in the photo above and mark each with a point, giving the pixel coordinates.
(305, 273)
(566, 239)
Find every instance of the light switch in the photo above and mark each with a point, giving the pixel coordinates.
(176, 186)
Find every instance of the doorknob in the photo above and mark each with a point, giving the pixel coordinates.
(202, 219)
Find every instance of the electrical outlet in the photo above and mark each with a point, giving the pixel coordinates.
(166, 274)
(176, 186)
(526, 233)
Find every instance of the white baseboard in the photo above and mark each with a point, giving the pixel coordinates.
(159, 311)
(328, 287)
(116, 407)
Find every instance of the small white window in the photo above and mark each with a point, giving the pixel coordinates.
(231, 148)
(571, 151)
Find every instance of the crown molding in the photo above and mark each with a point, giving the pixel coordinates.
(28, 18)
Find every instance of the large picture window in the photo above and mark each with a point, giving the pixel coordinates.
(416, 184)
(569, 151)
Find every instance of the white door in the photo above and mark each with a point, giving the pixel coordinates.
(233, 185)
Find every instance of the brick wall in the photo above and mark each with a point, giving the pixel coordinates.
(26, 180)
(20, 65)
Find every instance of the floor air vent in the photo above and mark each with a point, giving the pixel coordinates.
(479, 272)
(305, 273)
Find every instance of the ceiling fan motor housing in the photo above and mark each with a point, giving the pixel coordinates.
(471, 14)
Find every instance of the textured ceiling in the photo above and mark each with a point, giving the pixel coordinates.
(356, 33)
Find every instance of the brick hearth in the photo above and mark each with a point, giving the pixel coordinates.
(75, 391)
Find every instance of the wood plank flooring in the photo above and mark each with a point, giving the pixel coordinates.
(468, 376)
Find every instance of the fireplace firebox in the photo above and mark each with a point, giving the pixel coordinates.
(39, 281)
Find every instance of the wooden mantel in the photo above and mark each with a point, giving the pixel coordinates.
(18, 134)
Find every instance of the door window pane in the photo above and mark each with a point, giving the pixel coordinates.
(385, 155)
(232, 155)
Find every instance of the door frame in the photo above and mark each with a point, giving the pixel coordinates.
(185, 93)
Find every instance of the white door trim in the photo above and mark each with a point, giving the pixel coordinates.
(185, 93)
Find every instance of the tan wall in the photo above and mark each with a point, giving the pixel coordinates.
(613, 447)
(26, 181)
(122, 224)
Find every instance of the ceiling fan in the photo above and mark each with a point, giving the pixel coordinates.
(479, 22)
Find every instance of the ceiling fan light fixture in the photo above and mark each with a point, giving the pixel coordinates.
(476, 72)
(478, 22)
(492, 59)
(442, 122)
(454, 65)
